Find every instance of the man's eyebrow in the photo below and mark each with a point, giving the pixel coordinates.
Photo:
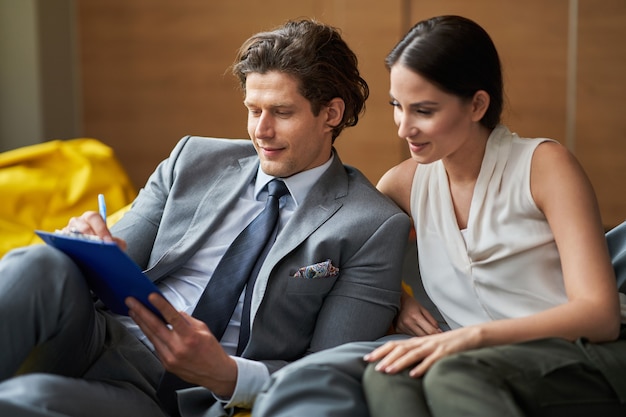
(272, 106)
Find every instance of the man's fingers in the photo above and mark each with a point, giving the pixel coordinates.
(89, 223)
(169, 313)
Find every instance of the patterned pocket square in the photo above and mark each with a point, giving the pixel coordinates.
(320, 270)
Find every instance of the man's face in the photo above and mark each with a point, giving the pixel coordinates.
(287, 136)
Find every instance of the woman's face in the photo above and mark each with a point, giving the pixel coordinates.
(435, 124)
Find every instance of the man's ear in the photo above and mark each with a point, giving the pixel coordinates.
(480, 104)
(334, 111)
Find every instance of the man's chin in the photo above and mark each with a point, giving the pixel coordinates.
(276, 169)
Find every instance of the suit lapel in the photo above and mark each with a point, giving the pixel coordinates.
(222, 194)
(219, 199)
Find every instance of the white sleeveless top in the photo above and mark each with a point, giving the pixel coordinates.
(505, 264)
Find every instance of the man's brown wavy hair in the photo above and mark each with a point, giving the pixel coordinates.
(317, 56)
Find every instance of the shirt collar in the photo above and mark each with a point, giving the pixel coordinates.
(298, 185)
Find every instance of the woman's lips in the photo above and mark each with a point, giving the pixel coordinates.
(417, 147)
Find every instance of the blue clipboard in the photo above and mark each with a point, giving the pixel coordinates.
(110, 273)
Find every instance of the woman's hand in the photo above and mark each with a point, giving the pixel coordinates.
(423, 352)
(414, 319)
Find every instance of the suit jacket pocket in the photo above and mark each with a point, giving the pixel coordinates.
(297, 285)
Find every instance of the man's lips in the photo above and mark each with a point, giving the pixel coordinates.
(267, 151)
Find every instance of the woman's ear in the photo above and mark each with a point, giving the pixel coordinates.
(334, 112)
(480, 104)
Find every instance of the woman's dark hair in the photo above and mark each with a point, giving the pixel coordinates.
(458, 56)
(316, 55)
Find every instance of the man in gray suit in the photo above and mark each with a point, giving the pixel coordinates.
(332, 275)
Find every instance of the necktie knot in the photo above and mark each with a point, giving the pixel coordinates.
(277, 188)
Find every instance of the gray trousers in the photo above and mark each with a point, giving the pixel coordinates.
(59, 355)
(324, 384)
(549, 377)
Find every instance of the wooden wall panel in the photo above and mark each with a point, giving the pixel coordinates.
(535, 44)
(154, 70)
(601, 94)
(371, 28)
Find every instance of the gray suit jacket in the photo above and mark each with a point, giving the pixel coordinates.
(344, 219)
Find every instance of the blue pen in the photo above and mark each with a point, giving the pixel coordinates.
(102, 207)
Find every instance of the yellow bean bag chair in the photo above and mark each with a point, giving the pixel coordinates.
(43, 185)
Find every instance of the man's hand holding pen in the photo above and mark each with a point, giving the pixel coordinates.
(94, 223)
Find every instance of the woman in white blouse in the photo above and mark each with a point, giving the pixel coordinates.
(511, 250)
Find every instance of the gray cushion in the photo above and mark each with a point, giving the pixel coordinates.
(616, 239)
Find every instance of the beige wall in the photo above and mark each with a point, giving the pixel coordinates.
(152, 71)
(20, 116)
(38, 72)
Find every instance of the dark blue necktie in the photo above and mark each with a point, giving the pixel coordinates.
(219, 298)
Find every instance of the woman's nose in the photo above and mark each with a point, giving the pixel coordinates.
(405, 129)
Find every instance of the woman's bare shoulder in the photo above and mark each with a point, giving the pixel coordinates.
(396, 183)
